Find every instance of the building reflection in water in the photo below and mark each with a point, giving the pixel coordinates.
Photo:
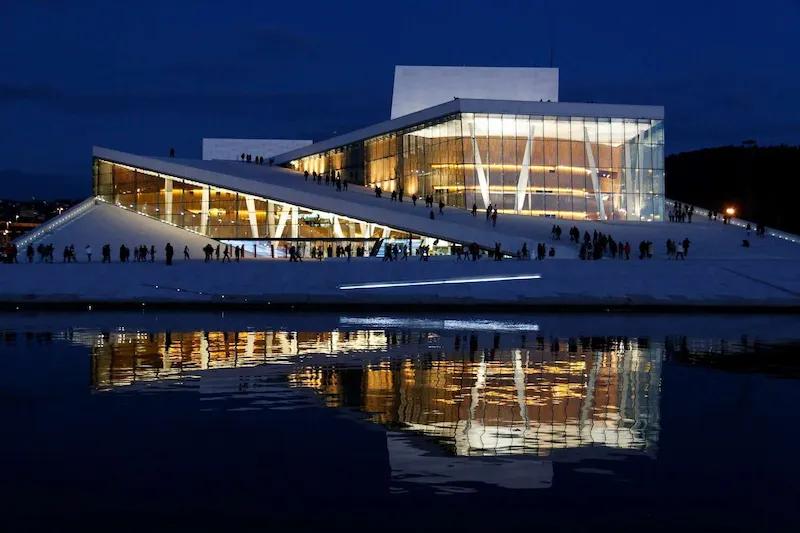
(514, 401)
(477, 396)
(123, 358)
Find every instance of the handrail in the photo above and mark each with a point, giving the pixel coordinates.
(791, 237)
(56, 222)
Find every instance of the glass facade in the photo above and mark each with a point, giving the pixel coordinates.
(234, 217)
(566, 167)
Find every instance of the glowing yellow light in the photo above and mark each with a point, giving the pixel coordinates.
(730, 211)
(572, 215)
(499, 166)
(511, 189)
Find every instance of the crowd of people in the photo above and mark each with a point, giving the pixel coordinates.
(249, 158)
(472, 251)
(141, 253)
(713, 215)
(491, 213)
(681, 212)
(597, 245)
(391, 252)
(319, 252)
(330, 179)
(258, 160)
(761, 230)
(676, 249)
(590, 247)
(219, 252)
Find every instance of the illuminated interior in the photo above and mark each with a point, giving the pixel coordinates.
(123, 358)
(559, 394)
(566, 167)
(235, 217)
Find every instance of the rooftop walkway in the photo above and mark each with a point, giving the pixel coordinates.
(709, 239)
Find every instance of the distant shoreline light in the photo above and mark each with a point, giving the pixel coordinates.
(458, 281)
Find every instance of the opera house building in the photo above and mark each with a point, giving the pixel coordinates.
(488, 139)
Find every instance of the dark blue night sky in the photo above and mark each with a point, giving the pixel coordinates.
(144, 76)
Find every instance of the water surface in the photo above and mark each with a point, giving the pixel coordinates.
(578, 423)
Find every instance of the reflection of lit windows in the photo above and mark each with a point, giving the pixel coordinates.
(523, 401)
(547, 413)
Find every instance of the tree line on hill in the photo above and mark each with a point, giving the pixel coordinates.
(761, 182)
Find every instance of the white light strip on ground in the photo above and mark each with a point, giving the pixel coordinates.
(438, 282)
(447, 324)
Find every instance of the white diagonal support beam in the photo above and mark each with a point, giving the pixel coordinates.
(630, 210)
(593, 169)
(205, 205)
(640, 170)
(270, 219)
(251, 214)
(284, 218)
(295, 229)
(525, 171)
(168, 200)
(483, 183)
(337, 228)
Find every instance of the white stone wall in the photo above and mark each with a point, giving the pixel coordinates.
(417, 88)
(232, 149)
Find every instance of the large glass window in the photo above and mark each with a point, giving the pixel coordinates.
(567, 167)
(149, 190)
(125, 186)
(264, 226)
(104, 180)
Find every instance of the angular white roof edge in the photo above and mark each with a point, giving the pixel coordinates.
(256, 139)
(508, 107)
(445, 230)
(380, 128)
